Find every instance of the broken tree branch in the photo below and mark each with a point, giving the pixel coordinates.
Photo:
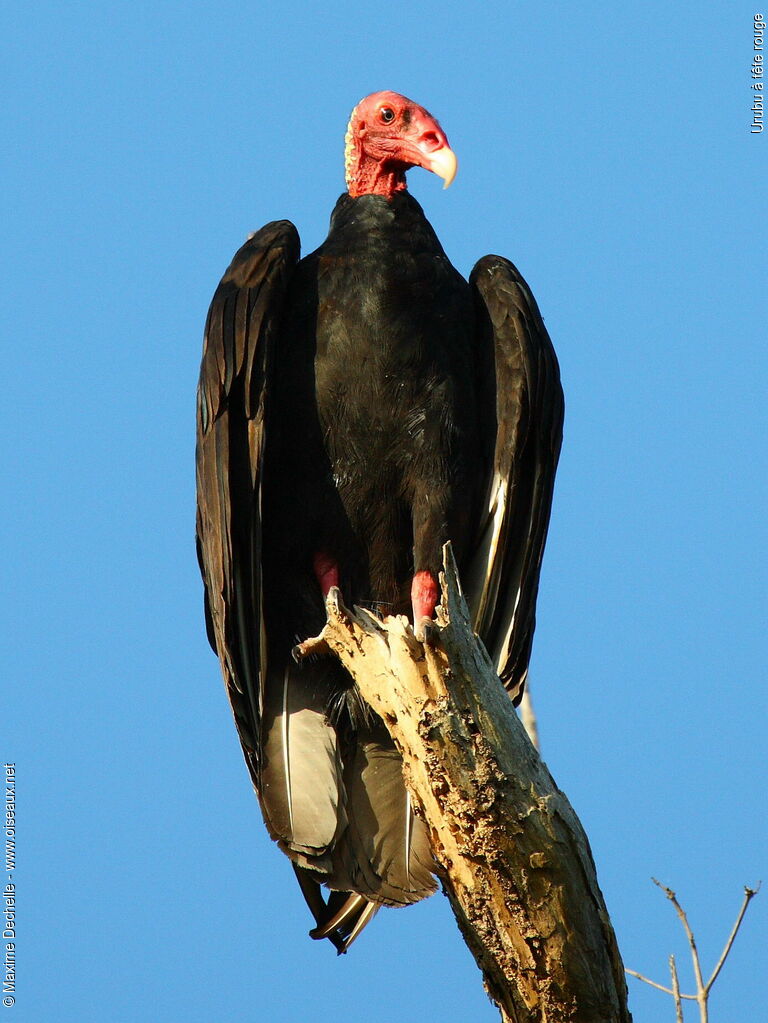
(513, 857)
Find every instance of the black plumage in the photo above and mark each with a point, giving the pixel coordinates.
(356, 409)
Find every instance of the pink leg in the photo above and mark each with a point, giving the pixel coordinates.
(326, 571)
(424, 596)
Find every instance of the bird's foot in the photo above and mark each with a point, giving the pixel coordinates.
(426, 631)
(318, 645)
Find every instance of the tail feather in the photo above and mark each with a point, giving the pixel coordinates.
(384, 853)
(342, 918)
(300, 783)
(366, 915)
(334, 799)
(350, 911)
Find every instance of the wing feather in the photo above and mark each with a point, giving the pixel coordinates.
(520, 383)
(241, 329)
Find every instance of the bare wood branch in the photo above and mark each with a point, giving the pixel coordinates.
(660, 987)
(702, 990)
(691, 941)
(676, 990)
(749, 894)
(513, 857)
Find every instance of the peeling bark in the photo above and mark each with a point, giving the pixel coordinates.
(513, 857)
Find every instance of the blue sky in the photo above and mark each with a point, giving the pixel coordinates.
(606, 150)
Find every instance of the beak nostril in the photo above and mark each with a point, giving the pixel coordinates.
(430, 141)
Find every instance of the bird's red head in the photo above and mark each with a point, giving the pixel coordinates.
(386, 135)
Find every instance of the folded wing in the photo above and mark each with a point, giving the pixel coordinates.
(520, 386)
(242, 326)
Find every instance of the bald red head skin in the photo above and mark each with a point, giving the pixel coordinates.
(388, 134)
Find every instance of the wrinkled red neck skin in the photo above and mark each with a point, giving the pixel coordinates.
(369, 177)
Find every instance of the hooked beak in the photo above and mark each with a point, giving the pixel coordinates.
(442, 162)
(431, 151)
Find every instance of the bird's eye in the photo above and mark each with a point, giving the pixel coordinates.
(387, 115)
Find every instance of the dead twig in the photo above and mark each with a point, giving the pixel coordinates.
(749, 894)
(702, 989)
(676, 990)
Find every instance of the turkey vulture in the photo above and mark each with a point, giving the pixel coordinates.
(357, 408)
